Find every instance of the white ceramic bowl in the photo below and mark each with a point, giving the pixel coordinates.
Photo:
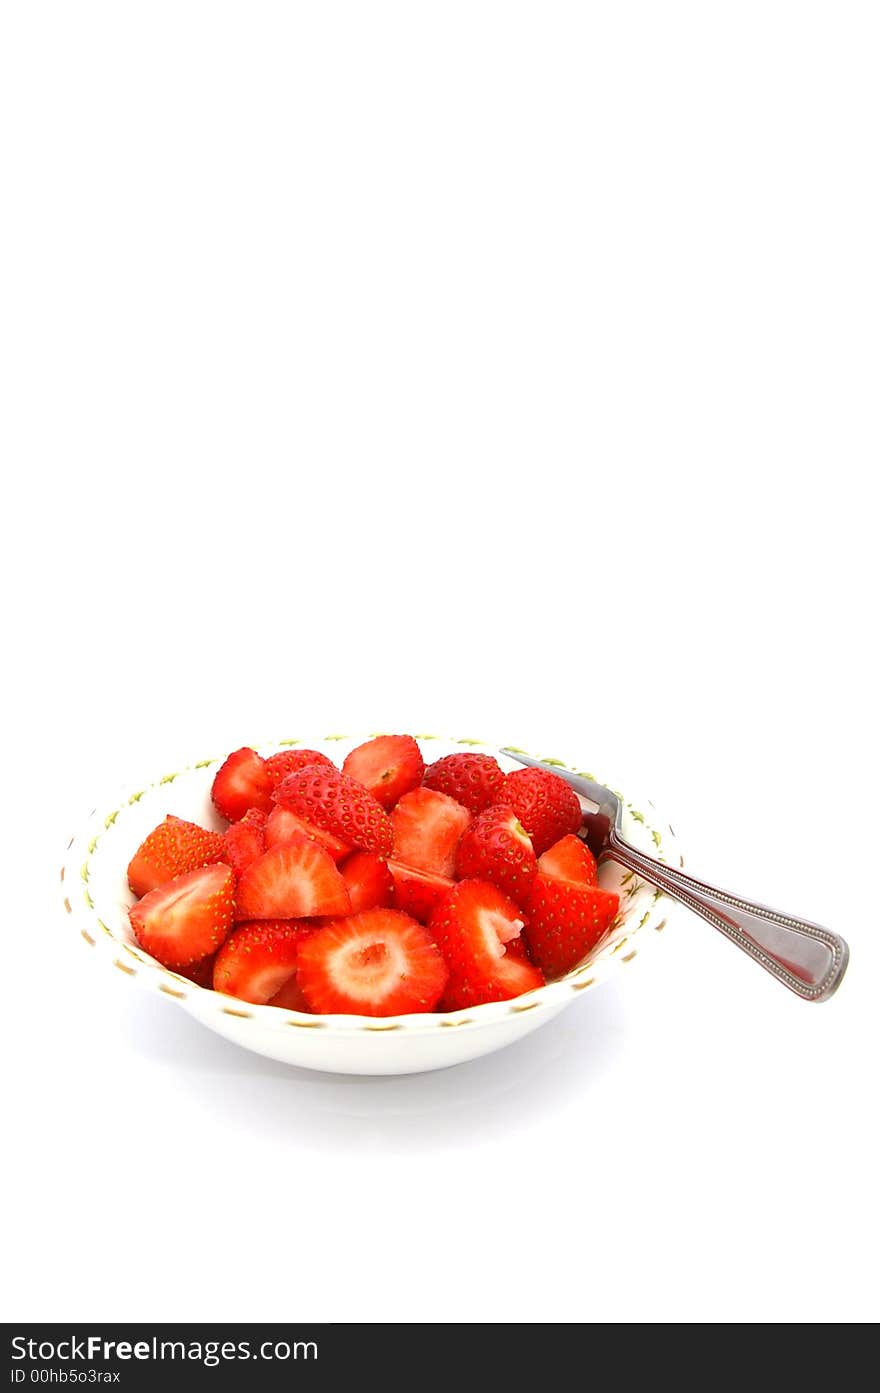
(96, 899)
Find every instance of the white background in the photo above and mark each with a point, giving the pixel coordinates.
(508, 370)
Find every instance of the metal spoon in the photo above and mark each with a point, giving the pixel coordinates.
(804, 957)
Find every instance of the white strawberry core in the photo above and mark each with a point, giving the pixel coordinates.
(368, 970)
(498, 930)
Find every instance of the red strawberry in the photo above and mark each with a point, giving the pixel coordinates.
(291, 881)
(475, 781)
(427, 829)
(496, 847)
(283, 825)
(245, 840)
(571, 860)
(472, 927)
(379, 963)
(257, 960)
(338, 804)
(242, 783)
(545, 805)
(290, 997)
(201, 972)
(417, 892)
(515, 975)
(287, 761)
(368, 880)
(172, 849)
(388, 766)
(565, 922)
(188, 918)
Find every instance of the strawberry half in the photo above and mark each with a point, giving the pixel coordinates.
(418, 892)
(379, 963)
(388, 766)
(291, 881)
(472, 927)
(427, 829)
(476, 781)
(290, 997)
(368, 881)
(496, 847)
(283, 825)
(513, 976)
(187, 919)
(546, 805)
(338, 804)
(565, 922)
(257, 960)
(245, 840)
(570, 860)
(201, 972)
(288, 761)
(170, 850)
(241, 783)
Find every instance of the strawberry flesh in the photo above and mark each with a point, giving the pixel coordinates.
(186, 919)
(472, 927)
(282, 826)
(245, 840)
(388, 766)
(571, 860)
(427, 829)
(368, 881)
(379, 963)
(242, 783)
(257, 960)
(418, 892)
(291, 881)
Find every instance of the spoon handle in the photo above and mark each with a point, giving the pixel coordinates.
(806, 958)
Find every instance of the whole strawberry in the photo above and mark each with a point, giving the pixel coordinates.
(545, 805)
(496, 847)
(476, 781)
(338, 804)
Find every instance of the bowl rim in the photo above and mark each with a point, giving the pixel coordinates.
(608, 955)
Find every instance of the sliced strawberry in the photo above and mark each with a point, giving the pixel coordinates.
(245, 840)
(496, 847)
(201, 972)
(565, 922)
(338, 804)
(417, 892)
(476, 781)
(546, 805)
(368, 880)
(290, 997)
(257, 960)
(188, 918)
(513, 976)
(473, 924)
(427, 829)
(379, 963)
(288, 761)
(283, 825)
(291, 881)
(472, 927)
(570, 860)
(242, 783)
(388, 766)
(170, 850)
